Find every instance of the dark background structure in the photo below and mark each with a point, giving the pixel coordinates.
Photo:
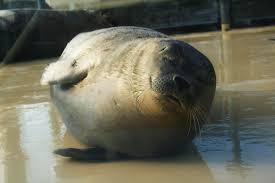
(42, 28)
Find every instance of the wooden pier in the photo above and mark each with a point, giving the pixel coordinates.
(56, 22)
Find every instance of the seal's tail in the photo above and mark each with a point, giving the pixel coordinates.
(89, 154)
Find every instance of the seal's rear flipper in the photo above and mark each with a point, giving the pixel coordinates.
(90, 154)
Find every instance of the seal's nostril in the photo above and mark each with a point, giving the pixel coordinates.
(180, 82)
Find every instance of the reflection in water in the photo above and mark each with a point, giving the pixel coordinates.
(237, 145)
(35, 128)
(189, 166)
(12, 157)
(239, 140)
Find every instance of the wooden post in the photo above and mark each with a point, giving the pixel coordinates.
(38, 4)
(1, 4)
(225, 14)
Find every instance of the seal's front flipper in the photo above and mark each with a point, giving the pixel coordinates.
(64, 71)
(90, 154)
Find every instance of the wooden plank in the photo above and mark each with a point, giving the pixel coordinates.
(166, 14)
(245, 11)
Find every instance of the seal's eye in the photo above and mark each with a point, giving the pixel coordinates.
(74, 64)
(163, 49)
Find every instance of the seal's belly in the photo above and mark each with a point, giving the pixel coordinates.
(102, 114)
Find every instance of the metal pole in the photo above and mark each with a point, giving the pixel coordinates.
(225, 14)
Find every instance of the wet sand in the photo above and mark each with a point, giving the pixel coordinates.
(237, 145)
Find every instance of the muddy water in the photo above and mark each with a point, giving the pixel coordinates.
(237, 145)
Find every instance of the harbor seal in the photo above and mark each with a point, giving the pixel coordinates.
(130, 90)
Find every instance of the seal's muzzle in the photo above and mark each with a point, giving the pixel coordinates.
(173, 86)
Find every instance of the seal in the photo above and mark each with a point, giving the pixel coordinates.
(130, 90)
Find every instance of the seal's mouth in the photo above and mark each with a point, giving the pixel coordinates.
(174, 100)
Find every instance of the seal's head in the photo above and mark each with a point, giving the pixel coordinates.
(181, 80)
